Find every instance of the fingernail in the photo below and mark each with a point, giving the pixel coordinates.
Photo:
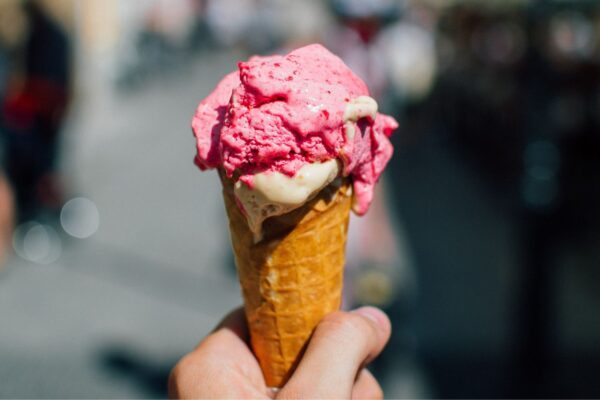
(374, 314)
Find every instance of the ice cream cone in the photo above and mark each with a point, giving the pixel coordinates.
(297, 141)
(292, 277)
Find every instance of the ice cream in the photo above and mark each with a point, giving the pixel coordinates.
(274, 193)
(279, 115)
(297, 142)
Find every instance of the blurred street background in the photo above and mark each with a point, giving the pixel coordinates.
(483, 245)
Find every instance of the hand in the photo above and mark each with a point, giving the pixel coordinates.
(333, 366)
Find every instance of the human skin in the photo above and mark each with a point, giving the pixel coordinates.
(6, 216)
(333, 366)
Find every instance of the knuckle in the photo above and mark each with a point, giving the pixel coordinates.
(348, 325)
(189, 377)
(182, 366)
(180, 370)
(187, 367)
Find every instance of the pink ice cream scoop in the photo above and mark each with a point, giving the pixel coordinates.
(277, 114)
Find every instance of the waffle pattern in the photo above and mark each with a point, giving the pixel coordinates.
(293, 277)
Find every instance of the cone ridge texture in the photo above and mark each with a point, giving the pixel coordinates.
(293, 277)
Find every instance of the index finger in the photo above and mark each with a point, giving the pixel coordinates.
(222, 365)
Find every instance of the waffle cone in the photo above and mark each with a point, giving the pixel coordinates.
(293, 277)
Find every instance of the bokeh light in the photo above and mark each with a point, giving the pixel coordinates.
(37, 243)
(80, 218)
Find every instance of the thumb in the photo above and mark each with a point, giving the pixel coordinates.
(340, 346)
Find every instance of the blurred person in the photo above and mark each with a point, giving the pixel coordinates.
(333, 365)
(13, 31)
(33, 109)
